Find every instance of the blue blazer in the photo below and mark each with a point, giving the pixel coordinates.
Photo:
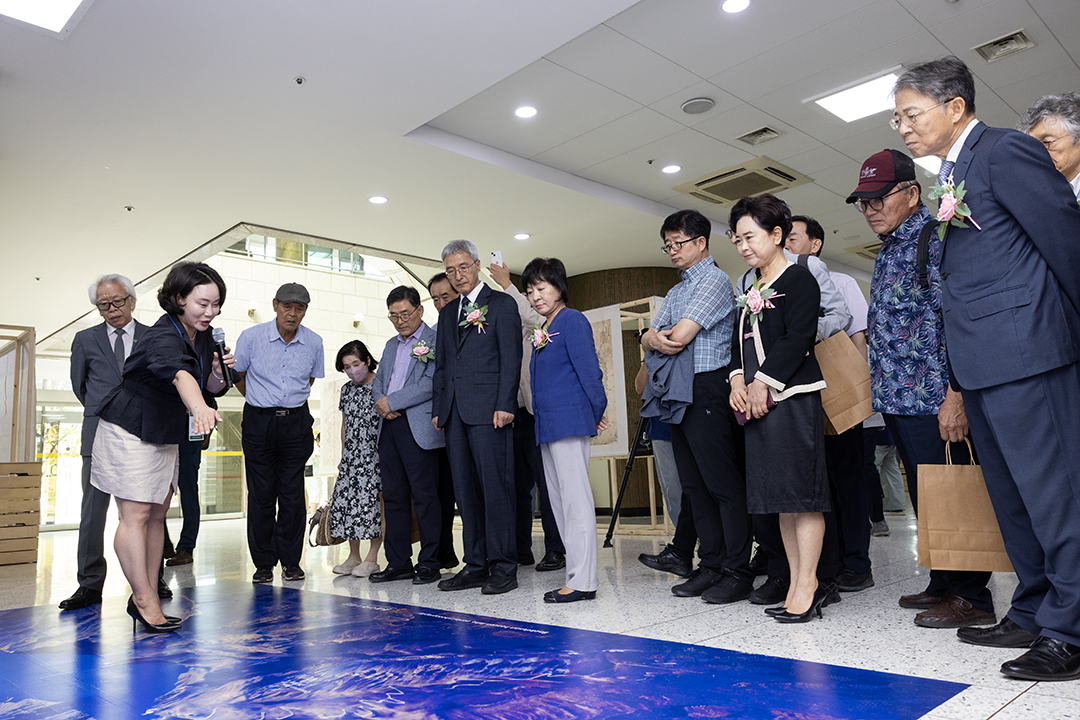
(1011, 291)
(478, 370)
(567, 383)
(414, 398)
(95, 374)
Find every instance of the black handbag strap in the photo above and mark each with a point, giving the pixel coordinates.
(922, 253)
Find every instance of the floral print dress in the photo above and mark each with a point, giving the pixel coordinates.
(354, 507)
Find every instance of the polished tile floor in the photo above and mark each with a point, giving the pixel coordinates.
(865, 631)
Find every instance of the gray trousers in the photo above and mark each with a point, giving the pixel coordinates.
(566, 469)
(91, 553)
(668, 475)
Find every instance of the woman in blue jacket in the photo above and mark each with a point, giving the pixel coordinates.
(569, 403)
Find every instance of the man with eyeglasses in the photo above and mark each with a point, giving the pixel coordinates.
(408, 444)
(909, 369)
(477, 362)
(1010, 293)
(1054, 120)
(707, 441)
(97, 366)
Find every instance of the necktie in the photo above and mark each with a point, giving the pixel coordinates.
(943, 173)
(463, 329)
(118, 349)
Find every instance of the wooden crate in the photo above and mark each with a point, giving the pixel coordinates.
(20, 512)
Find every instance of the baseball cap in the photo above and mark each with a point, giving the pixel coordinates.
(881, 173)
(292, 292)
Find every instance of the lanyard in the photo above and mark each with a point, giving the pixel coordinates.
(197, 355)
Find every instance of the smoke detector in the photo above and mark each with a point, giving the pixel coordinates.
(696, 106)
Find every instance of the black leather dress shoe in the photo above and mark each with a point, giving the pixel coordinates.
(463, 581)
(850, 581)
(552, 560)
(83, 597)
(163, 590)
(1005, 634)
(728, 589)
(1048, 659)
(554, 596)
(668, 560)
(390, 574)
(499, 583)
(772, 591)
(699, 581)
(526, 558)
(426, 576)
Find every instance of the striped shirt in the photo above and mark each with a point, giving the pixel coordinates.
(704, 296)
(278, 375)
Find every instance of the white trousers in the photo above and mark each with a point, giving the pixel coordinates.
(566, 470)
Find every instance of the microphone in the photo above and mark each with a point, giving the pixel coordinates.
(219, 341)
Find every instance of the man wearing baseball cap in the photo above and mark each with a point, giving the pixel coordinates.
(278, 361)
(909, 373)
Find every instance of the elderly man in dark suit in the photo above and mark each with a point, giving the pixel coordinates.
(1010, 293)
(97, 363)
(478, 360)
(408, 444)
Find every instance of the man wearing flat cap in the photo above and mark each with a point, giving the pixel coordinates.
(909, 374)
(278, 361)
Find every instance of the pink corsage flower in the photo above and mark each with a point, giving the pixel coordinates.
(475, 315)
(541, 337)
(757, 300)
(952, 210)
(423, 352)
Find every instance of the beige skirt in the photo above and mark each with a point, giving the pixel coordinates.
(128, 468)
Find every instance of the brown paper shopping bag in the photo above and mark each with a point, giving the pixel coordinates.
(957, 526)
(846, 397)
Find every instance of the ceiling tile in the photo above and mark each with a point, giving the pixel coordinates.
(569, 105)
(816, 160)
(672, 104)
(1022, 94)
(1061, 16)
(933, 13)
(617, 62)
(730, 125)
(610, 140)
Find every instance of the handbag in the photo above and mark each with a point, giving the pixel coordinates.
(958, 529)
(846, 397)
(320, 526)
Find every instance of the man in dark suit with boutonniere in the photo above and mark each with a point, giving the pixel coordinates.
(477, 363)
(97, 366)
(1010, 294)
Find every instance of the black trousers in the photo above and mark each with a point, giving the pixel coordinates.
(276, 448)
(188, 484)
(529, 471)
(845, 460)
(874, 495)
(709, 453)
(409, 481)
(446, 509)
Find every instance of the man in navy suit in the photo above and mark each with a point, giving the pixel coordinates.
(477, 362)
(1010, 293)
(408, 444)
(97, 366)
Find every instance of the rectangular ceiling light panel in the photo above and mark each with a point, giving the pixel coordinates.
(51, 15)
(862, 100)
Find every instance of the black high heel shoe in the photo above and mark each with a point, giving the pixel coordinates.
(170, 624)
(774, 611)
(815, 609)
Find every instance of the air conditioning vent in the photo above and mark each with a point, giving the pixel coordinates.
(760, 175)
(869, 251)
(761, 135)
(1004, 46)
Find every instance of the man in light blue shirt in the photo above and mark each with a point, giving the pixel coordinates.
(278, 361)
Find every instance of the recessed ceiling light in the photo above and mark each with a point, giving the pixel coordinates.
(376, 199)
(735, 6)
(525, 111)
(49, 14)
(669, 169)
(862, 100)
(522, 236)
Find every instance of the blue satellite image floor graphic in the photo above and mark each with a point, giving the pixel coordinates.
(273, 652)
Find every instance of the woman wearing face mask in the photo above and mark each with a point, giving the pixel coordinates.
(160, 404)
(354, 506)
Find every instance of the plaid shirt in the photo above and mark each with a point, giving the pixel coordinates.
(704, 296)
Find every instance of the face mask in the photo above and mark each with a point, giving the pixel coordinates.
(357, 374)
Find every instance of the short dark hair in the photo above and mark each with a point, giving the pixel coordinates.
(767, 210)
(942, 79)
(403, 292)
(359, 349)
(814, 231)
(690, 223)
(546, 270)
(182, 279)
(437, 277)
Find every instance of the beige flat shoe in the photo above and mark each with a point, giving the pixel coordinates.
(347, 567)
(364, 569)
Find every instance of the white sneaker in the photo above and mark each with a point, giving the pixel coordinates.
(879, 529)
(364, 569)
(346, 567)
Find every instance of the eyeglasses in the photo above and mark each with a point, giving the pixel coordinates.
(875, 204)
(675, 245)
(911, 118)
(400, 317)
(104, 305)
(1049, 142)
(460, 269)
